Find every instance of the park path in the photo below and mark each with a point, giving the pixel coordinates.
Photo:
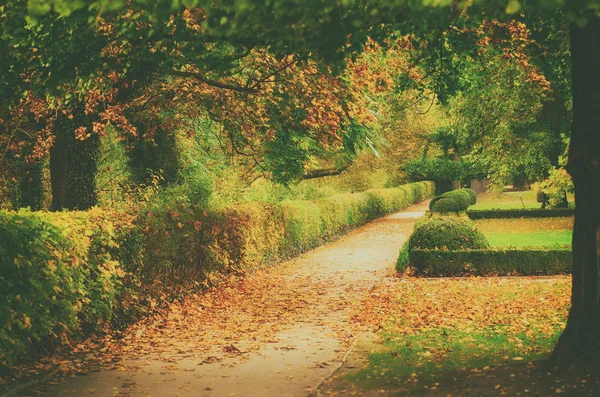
(278, 332)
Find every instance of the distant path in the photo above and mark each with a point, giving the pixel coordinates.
(277, 333)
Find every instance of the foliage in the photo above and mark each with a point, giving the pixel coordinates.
(67, 273)
(520, 213)
(442, 171)
(452, 201)
(555, 188)
(403, 258)
(113, 177)
(448, 232)
(494, 118)
(61, 274)
(492, 262)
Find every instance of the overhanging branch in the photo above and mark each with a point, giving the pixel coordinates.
(314, 174)
(218, 84)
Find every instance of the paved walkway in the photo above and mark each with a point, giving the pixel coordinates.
(279, 332)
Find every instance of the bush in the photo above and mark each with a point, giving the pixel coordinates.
(491, 262)
(472, 195)
(403, 258)
(446, 232)
(58, 276)
(452, 201)
(67, 273)
(521, 213)
(553, 190)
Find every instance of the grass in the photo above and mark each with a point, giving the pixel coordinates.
(530, 232)
(427, 356)
(506, 200)
(542, 239)
(509, 200)
(440, 331)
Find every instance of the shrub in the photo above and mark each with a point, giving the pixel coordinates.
(452, 201)
(491, 262)
(403, 258)
(521, 213)
(72, 272)
(472, 195)
(446, 232)
(58, 276)
(554, 189)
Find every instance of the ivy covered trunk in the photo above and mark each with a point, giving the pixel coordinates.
(58, 165)
(580, 342)
(73, 166)
(82, 165)
(30, 189)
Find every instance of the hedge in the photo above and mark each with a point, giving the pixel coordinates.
(521, 213)
(59, 272)
(452, 201)
(443, 231)
(69, 273)
(491, 262)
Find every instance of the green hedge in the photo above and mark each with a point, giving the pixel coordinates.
(452, 201)
(521, 213)
(491, 262)
(59, 274)
(451, 232)
(471, 194)
(69, 273)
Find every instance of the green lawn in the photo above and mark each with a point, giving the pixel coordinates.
(529, 232)
(506, 200)
(530, 239)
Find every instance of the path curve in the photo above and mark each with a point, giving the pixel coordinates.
(279, 332)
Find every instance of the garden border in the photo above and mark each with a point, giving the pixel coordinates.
(521, 213)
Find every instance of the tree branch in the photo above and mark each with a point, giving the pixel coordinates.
(314, 174)
(214, 83)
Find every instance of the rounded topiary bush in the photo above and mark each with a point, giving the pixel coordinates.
(446, 232)
(471, 193)
(446, 204)
(452, 201)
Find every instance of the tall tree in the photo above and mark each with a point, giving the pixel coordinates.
(329, 30)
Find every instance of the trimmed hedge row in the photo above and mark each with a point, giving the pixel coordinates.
(521, 213)
(59, 272)
(490, 262)
(73, 272)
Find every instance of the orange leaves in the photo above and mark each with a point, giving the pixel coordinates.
(520, 305)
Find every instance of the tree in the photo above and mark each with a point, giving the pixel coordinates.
(329, 30)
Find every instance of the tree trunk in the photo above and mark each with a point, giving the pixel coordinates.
(73, 165)
(579, 345)
(58, 167)
(82, 165)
